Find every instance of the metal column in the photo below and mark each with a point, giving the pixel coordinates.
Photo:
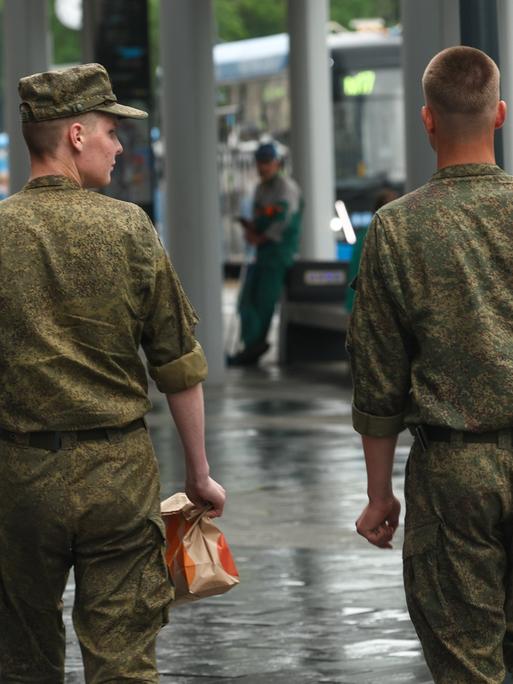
(439, 20)
(193, 213)
(312, 123)
(26, 51)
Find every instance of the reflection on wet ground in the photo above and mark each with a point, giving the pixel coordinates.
(316, 603)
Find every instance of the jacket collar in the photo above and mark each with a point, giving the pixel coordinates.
(52, 182)
(466, 170)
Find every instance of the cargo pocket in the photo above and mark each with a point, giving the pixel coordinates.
(155, 589)
(422, 578)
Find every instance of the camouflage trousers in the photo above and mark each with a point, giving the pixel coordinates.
(458, 559)
(93, 506)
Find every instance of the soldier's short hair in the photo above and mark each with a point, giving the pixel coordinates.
(43, 138)
(461, 80)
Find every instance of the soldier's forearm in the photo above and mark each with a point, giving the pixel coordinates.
(187, 409)
(379, 459)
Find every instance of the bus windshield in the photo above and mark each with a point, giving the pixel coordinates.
(368, 124)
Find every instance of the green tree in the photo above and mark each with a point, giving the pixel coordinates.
(342, 11)
(236, 20)
(240, 19)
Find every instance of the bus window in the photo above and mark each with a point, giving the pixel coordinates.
(368, 116)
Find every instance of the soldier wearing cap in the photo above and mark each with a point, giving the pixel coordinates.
(84, 283)
(274, 231)
(431, 345)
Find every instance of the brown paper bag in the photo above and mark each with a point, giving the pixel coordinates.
(198, 558)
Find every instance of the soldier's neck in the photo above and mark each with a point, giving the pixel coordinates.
(469, 152)
(53, 167)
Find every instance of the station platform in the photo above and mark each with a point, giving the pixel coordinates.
(316, 603)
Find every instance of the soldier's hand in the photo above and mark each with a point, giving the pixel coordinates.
(207, 491)
(379, 521)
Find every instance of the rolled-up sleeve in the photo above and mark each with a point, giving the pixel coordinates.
(185, 372)
(378, 342)
(175, 358)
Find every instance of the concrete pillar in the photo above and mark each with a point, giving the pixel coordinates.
(439, 20)
(505, 26)
(312, 123)
(26, 51)
(193, 222)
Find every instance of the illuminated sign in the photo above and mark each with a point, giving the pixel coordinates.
(273, 92)
(361, 83)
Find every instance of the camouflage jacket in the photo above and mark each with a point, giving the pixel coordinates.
(84, 281)
(431, 334)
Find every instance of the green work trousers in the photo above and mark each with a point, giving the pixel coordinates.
(458, 559)
(261, 290)
(93, 506)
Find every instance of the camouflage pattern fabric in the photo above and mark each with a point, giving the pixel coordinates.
(84, 282)
(431, 334)
(431, 343)
(94, 506)
(70, 92)
(458, 556)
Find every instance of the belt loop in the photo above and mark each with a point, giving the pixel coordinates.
(56, 442)
(68, 440)
(421, 437)
(504, 439)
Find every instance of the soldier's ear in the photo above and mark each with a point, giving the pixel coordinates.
(76, 135)
(428, 119)
(500, 116)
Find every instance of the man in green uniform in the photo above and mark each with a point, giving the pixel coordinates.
(84, 282)
(274, 231)
(431, 345)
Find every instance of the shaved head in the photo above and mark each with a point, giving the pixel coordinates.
(44, 137)
(461, 85)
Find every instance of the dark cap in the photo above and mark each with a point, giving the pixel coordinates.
(71, 91)
(266, 152)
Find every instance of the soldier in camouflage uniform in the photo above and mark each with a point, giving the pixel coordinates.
(84, 282)
(431, 346)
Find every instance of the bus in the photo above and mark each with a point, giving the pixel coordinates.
(368, 117)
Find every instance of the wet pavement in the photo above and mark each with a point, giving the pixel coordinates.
(316, 602)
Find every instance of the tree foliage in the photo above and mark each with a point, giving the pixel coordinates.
(343, 11)
(240, 19)
(235, 20)
(65, 41)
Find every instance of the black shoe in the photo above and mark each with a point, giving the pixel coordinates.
(248, 356)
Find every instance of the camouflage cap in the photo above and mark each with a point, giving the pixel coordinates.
(71, 91)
